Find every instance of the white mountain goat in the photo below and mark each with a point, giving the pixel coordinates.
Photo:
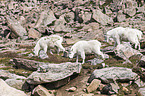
(120, 34)
(49, 42)
(85, 47)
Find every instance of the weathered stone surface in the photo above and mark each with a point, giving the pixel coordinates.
(4, 74)
(125, 51)
(72, 89)
(69, 16)
(60, 25)
(41, 91)
(121, 17)
(53, 72)
(34, 33)
(46, 18)
(16, 27)
(94, 85)
(125, 90)
(113, 73)
(115, 87)
(140, 83)
(90, 94)
(95, 61)
(130, 7)
(15, 83)
(26, 64)
(142, 91)
(86, 16)
(101, 18)
(6, 90)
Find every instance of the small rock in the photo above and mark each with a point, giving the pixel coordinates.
(43, 55)
(72, 89)
(34, 33)
(91, 94)
(125, 90)
(94, 85)
(95, 61)
(41, 91)
(115, 87)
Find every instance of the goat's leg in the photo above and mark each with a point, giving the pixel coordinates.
(45, 49)
(77, 58)
(98, 52)
(83, 57)
(58, 50)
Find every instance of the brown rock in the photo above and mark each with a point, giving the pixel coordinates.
(34, 33)
(41, 91)
(94, 85)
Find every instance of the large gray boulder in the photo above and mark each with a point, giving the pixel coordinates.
(18, 84)
(53, 72)
(113, 73)
(6, 90)
(101, 17)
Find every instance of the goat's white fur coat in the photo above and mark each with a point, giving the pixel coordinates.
(49, 42)
(120, 34)
(85, 47)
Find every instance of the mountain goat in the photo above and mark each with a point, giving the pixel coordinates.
(85, 47)
(120, 34)
(49, 42)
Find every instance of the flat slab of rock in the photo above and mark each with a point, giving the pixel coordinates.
(4, 74)
(113, 73)
(26, 64)
(53, 72)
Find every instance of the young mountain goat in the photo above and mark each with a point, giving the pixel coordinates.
(49, 42)
(85, 47)
(120, 34)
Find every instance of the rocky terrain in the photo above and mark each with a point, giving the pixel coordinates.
(23, 22)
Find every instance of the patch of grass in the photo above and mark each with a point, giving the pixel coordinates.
(21, 72)
(4, 60)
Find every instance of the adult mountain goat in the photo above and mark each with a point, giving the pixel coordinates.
(85, 47)
(120, 34)
(49, 42)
